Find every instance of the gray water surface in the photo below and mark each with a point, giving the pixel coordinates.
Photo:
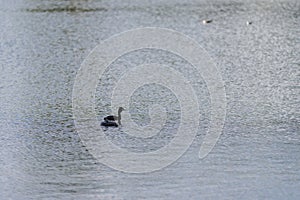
(42, 45)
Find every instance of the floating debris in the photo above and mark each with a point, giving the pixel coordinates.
(65, 9)
(207, 21)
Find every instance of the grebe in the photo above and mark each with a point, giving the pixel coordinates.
(111, 119)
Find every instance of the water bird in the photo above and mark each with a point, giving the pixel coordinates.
(111, 119)
(207, 21)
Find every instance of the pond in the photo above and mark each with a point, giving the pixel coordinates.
(255, 47)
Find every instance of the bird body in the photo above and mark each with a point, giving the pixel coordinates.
(111, 118)
(109, 123)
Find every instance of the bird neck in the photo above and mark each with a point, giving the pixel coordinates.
(119, 117)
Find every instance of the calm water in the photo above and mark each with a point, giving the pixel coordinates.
(43, 43)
